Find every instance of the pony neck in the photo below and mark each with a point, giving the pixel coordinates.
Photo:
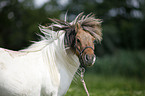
(62, 63)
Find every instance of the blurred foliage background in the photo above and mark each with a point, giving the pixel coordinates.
(122, 51)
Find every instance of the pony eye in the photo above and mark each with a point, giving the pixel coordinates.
(78, 40)
(94, 41)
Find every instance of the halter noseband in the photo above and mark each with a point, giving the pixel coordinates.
(81, 52)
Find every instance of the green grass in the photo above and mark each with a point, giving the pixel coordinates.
(107, 86)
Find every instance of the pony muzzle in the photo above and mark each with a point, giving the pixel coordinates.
(86, 59)
(89, 59)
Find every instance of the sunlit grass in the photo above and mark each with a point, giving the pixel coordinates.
(107, 86)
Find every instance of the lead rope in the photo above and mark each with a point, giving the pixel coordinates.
(83, 81)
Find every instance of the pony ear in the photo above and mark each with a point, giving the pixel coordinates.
(77, 27)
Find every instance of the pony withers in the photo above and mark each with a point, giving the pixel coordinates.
(47, 67)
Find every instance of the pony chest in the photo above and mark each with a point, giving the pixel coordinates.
(65, 81)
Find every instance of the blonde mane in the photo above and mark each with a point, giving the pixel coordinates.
(48, 38)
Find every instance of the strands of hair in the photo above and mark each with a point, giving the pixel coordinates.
(53, 31)
(87, 22)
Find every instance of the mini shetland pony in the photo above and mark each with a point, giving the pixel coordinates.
(47, 67)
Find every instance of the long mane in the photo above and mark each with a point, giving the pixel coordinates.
(87, 22)
(59, 27)
(47, 38)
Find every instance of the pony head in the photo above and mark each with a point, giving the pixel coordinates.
(80, 35)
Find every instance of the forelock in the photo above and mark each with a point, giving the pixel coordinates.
(87, 22)
(91, 25)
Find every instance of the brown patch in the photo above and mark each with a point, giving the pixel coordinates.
(90, 24)
(84, 39)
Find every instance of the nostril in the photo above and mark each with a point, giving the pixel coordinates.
(86, 57)
(90, 58)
